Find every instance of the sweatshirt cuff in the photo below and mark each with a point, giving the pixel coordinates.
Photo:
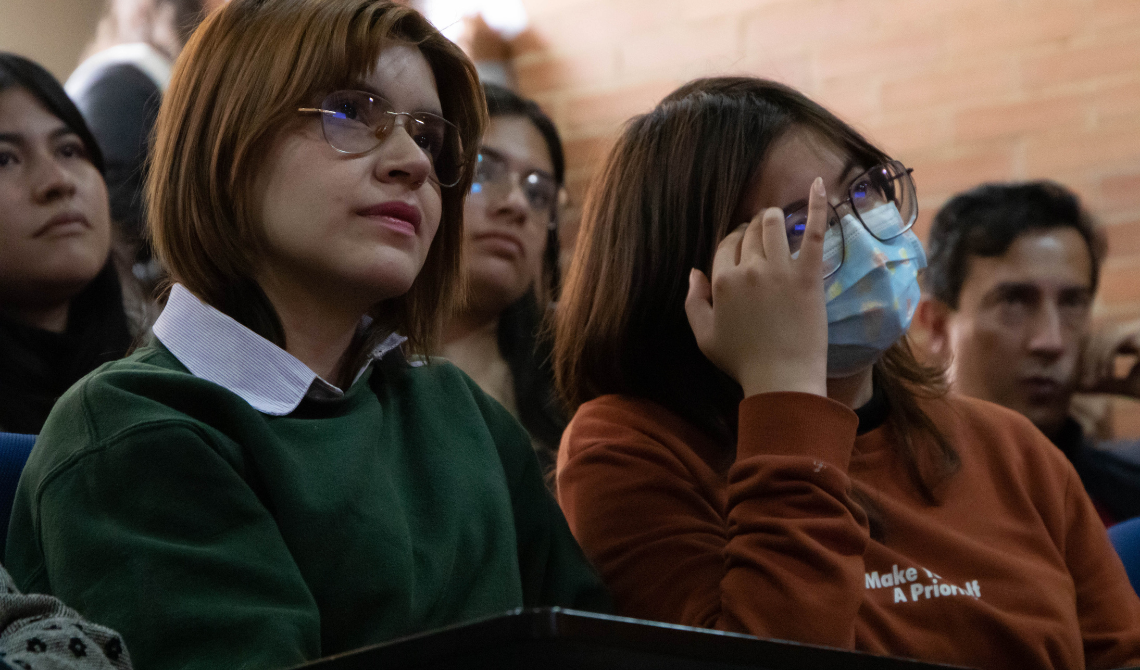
(796, 424)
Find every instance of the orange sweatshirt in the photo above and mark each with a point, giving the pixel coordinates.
(1012, 570)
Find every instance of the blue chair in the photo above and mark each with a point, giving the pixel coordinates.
(14, 450)
(1125, 538)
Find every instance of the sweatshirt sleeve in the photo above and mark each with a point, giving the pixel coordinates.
(158, 536)
(1107, 607)
(773, 548)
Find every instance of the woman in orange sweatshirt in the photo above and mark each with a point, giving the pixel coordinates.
(755, 447)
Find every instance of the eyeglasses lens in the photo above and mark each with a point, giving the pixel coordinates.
(795, 225)
(351, 126)
(356, 122)
(493, 178)
(887, 184)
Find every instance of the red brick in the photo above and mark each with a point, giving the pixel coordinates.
(690, 48)
(881, 57)
(1005, 26)
(615, 106)
(850, 98)
(1103, 150)
(1123, 240)
(931, 12)
(782, 29)
(989, 81)
(1120, 100)
(1068, 66)
(1111, 17)
(1121, 190)
(904, 135)
(947, 176)
(1119, 282)
(1055, 115)
(795, 71)
(925, 217)
(546, 71)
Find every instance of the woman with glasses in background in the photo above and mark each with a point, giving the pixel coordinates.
(756, 449)
(511, 251)
(270, 481)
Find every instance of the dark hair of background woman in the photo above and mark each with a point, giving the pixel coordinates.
(97, 329)
(667, 194)
(528, 355)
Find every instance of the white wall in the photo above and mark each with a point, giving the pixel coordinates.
(50, 32)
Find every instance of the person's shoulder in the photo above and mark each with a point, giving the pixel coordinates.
(975, 412)
(436, 386)
(999, 436)
(433, 376)
(615, 418)
(146, 390)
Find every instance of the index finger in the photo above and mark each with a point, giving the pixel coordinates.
(811, 248)
(727, 252)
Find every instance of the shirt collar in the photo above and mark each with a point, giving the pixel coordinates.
(215, 347)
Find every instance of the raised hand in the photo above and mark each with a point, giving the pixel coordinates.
(762, 318)
(1098, 360)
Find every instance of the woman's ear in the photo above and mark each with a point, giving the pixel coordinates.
(931, 329)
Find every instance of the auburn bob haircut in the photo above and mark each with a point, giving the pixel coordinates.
(235, 89)
(668, 193)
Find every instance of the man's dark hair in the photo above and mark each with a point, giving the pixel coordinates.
(986, 220)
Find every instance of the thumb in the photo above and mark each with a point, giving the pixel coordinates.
(698, 306)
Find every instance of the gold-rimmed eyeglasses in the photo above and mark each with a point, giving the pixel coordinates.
(356, 122)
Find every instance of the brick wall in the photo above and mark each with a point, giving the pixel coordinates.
(962, 90)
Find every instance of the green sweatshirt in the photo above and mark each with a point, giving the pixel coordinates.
(213, 536)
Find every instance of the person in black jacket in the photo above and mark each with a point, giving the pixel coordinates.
(62, 312)
(1013, 270)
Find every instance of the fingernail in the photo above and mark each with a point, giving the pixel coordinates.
(817, 186)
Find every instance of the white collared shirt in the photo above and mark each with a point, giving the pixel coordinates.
(215, 347)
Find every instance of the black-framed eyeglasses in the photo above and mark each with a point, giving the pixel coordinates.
(495, 177)
(356, 122)
(887, 184)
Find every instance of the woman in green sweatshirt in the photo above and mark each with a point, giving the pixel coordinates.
(270, 480)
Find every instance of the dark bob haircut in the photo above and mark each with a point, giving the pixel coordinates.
(986, 220)
(33, 78)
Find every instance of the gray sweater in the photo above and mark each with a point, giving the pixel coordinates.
(39, 632)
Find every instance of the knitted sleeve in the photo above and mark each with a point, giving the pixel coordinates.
(38, 632)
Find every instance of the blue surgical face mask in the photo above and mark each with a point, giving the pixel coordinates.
(872, 297)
